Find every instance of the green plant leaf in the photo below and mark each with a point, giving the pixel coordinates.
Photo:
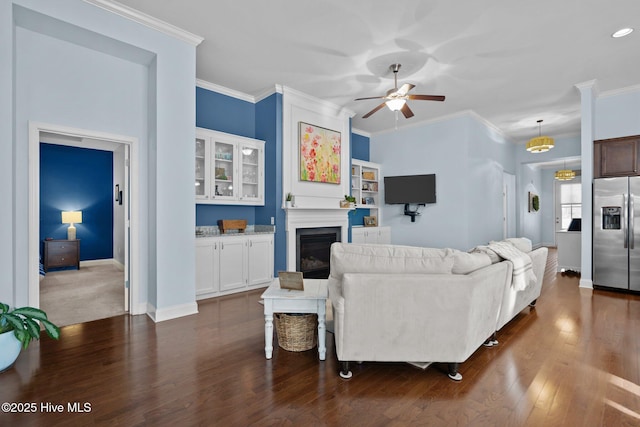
(14, 321)
(23, 337)
(4, 308)
(52, 330)
(32, 328)
(34, 313)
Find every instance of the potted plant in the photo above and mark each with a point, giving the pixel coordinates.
(289, 200)
(350, 201)
(17, 328)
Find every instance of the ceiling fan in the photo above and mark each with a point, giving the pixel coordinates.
(396, 99)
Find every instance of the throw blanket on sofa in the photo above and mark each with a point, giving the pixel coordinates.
(522, 268)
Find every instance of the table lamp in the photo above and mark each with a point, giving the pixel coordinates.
(71, 217)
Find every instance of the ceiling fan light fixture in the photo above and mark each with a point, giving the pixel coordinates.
(540, 143)
(396, 104)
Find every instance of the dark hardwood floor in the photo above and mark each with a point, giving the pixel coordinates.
(571, 361)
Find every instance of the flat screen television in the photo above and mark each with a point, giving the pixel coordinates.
(412, 189)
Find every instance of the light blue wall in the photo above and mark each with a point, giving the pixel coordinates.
(617, 115)
(540, 226)
(468, 159)
(80, 66)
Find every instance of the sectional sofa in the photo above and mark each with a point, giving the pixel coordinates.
(398, 303)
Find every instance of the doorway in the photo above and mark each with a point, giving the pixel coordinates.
(87, 139)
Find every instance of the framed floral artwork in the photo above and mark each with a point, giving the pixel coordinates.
(319, 154)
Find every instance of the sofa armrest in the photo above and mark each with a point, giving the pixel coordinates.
(416, 317)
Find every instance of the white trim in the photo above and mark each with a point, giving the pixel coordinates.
(621, 91)
(326, 107)
(456, 115)
(268, 92)
(35, 128)
(360, 132)
(312, 218)
(225, 91)
(585, 283)
(173, 312)
(147, 20)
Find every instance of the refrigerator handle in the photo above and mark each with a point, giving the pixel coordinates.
(625, 212)
(631, 217)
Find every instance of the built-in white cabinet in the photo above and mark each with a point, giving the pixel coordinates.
(229, 169)
(229, 264)
(375, 235)
(365, 177)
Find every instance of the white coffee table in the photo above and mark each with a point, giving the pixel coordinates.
(312, 300)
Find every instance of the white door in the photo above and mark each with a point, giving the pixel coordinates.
(568, 202)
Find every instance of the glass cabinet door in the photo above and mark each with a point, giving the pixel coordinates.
(250, 172)
(200, 169)
(223, 171)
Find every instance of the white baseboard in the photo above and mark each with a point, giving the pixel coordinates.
(586, 283)
(162, 314)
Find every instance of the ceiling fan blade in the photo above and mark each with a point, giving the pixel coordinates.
(405, 88)
(374, 110)
(426, 97)
(371, 97)
(406, 111)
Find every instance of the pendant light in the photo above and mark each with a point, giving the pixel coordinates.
(540, 143)
(565, 174)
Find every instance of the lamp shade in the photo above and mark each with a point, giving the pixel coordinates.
(71, 217)
(565, 175)
(396, 104)
(540, 144)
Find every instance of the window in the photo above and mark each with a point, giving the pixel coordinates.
(570, 203)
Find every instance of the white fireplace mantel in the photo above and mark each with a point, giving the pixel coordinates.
(312, 218)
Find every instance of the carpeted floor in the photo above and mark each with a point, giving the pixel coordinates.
(77, 296)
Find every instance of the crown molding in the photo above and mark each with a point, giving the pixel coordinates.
(621, 91)
(335, 109)
(360, 132)
(268, 92)
(590, 85)
(459, 114)
(225, 91)
(147, 20)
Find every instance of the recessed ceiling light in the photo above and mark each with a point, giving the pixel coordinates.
(622, 32)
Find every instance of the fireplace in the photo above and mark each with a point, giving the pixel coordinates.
(313, 250)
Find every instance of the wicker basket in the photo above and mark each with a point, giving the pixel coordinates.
(297, 332)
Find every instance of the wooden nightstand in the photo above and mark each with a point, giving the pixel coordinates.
(61, 253)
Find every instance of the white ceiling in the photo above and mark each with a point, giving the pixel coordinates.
(510, 61)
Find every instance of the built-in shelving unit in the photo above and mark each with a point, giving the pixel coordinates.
(365, 187)
(229, 169)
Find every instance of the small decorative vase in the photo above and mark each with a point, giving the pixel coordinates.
(9, 350)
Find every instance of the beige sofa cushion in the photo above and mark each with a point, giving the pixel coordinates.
(464, 262)
(360, 258)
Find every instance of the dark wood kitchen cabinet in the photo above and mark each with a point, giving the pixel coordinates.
(61, 253)
(616, 157)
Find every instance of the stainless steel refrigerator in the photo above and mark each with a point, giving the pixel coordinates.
(616, 232)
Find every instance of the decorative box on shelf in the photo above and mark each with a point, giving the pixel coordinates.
(232, 224)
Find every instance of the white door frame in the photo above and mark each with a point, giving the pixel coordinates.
(508, 205)
(132, 261)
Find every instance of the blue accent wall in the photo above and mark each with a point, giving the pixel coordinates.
(360, 147)
(269, 129)
(224, 113)
(78, 179)
(231, 115)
